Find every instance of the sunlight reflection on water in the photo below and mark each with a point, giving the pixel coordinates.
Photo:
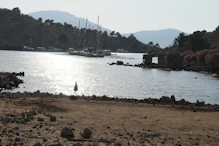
(58, 72)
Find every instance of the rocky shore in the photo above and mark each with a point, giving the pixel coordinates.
(36, 119)
(45, 119)
(10, 80)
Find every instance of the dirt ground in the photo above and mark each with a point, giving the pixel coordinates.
(134, 124)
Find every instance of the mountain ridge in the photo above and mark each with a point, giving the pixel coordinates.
(62, 17)
(164, 37)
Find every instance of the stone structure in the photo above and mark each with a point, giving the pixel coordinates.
(147, 59)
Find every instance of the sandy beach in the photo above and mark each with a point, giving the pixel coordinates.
(111, 123)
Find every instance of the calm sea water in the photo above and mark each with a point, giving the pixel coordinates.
(58, 72)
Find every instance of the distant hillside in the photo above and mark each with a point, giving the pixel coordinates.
(163, 37)
(62, 17)
(18, 30)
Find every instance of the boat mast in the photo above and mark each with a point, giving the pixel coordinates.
(98, 32)
(79, 25)
(30, 41)
(85, 34)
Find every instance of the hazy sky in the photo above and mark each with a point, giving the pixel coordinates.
(133, 15)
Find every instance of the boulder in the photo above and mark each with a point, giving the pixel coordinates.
(52, 118)
(53, 144)
(117, 144)
(37, 144)
(33, 112)
(77, 144)
(87, 133)
(119, 63)
(67, 133)
(40, 119)
(173, 99)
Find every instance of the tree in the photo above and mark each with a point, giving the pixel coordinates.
(118, 35)
(198, 42)
(174, 60)
(180, 40)
(40, 19)
(63, 38)
(157, 45)
(217, 29)
(47, 22)
(132, 37)
(112, 33)
(151, 43)
(16, 11)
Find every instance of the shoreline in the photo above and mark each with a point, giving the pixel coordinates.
(34, 119)
(163, 101)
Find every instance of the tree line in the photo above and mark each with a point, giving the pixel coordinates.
(17, 30)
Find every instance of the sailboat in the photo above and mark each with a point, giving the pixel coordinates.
(89, 51)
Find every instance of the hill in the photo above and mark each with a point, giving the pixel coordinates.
(163, 37)
(65, 17)
(17, 30)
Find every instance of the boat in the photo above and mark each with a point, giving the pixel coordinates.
(89, 51)
(41, 49)
(107, 52)
(122, 51)
(26, 48)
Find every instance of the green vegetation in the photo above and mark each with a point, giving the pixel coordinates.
(18, 30)
(198, 51)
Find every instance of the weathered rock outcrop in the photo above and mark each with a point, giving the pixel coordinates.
(10, 80)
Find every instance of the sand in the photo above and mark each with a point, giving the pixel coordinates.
(134, 124)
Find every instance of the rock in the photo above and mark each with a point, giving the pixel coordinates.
(198, 103)
(53, 144)
(3, 132)
(40, 119)
(37, 144)
(67, 133)
(113, 63)
(87, 133)
(165, 99)
(17, 133)
(173, 99)
(33, 112)
(120, 63)
(17, 139)
(77, 144)
(96, 144)
(66, 144)
(52, 118)
(40, 111)
(117, 144)
(16, 128)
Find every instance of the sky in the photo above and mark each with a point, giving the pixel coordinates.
(129, 16)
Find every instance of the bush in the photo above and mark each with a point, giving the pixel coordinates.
(174, 60)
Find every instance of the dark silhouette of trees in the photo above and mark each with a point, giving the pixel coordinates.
(151, 43)
(157, 45)
(40, 19)
(16, 11)
(198, 42)
(63, 38)
(180, 40)
(174, 60)
(112, 33)
(195, 42)
(20, 30)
